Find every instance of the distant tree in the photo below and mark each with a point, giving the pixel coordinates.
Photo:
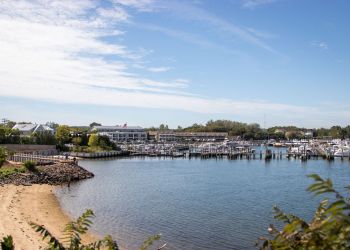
(10, 124)
(336, 132)
(24, 122)
(84, 139)
(77, 141)
(105, 143)
(347, 131)
(293, 135)
(93, 140)
(44, 138)
(62, 134)
(94, 124)
(163, 127)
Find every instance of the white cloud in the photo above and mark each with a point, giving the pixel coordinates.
(194, 13)
(159, 69)
(320, 45)
(140, 5)
(251, 4)
(116, 14)
(51, 50)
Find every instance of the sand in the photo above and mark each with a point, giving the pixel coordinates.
(37, 203)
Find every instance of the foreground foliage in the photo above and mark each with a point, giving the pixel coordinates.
(329, 228)
(7, 243)
(72, 235)
(75, 229)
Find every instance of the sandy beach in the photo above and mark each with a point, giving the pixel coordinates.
(22, 204)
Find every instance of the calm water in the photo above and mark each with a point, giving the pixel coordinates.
(195, 204)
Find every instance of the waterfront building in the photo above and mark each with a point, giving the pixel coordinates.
(170, 135)
(27, 129)
(122, 133)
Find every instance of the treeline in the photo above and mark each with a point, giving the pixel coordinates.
(253, 131)
(80, 138)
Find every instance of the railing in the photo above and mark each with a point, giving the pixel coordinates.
(32, 157)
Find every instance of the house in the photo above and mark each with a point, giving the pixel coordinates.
(27, 129)
(121, 133)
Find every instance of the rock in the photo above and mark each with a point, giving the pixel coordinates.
(55, 174)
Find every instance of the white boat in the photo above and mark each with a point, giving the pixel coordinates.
(342, 152)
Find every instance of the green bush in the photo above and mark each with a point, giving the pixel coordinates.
(4, 172)
(3, 155)
(7, 243)
(30, 166)
(329, 228)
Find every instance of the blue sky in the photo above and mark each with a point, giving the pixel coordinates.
(147, 62)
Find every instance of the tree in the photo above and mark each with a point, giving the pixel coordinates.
(44, 138)
(72, 232)
(62, 134)
(163, 127)
(94, 124)
(93, 140)
(3, 155)
(329, 228)
(76, 141)
(336, 132)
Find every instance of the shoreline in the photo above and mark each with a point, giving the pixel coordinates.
(37, 203)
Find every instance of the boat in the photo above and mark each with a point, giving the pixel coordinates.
(342, 152)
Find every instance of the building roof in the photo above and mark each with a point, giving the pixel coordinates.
(117, 127)
(171, 132)
(25, 127)
(29, 127)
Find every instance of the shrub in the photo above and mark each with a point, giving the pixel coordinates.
(73, 231)
(329, 228)
(3, 155)
(30, 166)
(7, 243)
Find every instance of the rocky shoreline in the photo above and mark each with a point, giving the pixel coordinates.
(55, 174)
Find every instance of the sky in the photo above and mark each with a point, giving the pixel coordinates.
(147, 62)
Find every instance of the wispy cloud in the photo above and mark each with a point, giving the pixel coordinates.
(192, 12)
(320, 45)
(140, 5)
(52, 50)
(159, 69)
(251, 4)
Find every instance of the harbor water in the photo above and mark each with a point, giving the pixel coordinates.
(194, 203)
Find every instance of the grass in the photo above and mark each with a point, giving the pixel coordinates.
(8, 170)
(94, 149)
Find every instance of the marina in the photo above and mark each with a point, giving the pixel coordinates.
(304, 150)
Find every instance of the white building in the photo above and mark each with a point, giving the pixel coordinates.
(27, 129)
(122, 133)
